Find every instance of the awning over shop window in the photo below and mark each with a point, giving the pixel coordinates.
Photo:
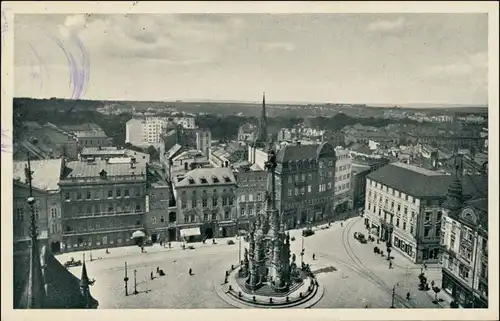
(195, 231)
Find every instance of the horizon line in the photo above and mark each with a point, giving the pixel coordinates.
(277, 102)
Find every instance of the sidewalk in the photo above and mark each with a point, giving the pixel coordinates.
(114, 252)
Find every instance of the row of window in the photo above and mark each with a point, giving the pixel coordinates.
(250, 197)
(342, 168)
(204, 193)
(204, 202)
(342, 187)
(193, 218)
(100, 224)
(19, 213)
(391, 191)
(89, 195)
(308, 202)
(342, 177)
(111, 209)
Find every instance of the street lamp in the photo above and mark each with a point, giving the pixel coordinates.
(302, 251)
(135, 282)
(393, 296)
(125, 279)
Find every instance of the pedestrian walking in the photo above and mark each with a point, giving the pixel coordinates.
(169, 245)
(157, 269)
(190, 271)
(151, 275)
(314, 256)
(432, 283)
(390, 264)
(408, 296)
(341, 224)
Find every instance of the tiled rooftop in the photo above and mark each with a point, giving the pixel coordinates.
(419, 182)
(298, 152)
(81, 169)
(207, 176)
(45, 173)
(102, 151)
(90, 134)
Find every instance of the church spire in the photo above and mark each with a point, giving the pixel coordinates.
(85, 284)
(263, 121)
(35, 287)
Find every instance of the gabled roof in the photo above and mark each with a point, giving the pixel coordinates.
(299, 152)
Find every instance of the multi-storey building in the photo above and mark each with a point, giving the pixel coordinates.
(342, 200)
(304, 180)
(464, 241)
(104, 153)
(205, 199)
(149, 130)
(93, 138)
(203, 141)
(160, 218)
(358, 184)
(103, 202)
(252, 185)
(408, 216)
(47, 207)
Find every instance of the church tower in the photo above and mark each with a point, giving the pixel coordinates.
(263, 138)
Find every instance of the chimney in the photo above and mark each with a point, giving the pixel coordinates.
(186, 164)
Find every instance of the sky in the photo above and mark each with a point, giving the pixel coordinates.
(336, 58)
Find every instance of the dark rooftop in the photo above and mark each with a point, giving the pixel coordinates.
(420, 182)
(298, 152)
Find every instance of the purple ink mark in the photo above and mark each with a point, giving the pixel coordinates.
(79, 69)
(4, 146)
(5, 27)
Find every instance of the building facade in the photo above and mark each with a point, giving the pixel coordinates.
(408, 216)
(206, 201)
(342, 200)
(103, 203)
(93, 138)
(464, 241)
(304, 180)
(47, 207)
(358, 184)
(250, 195)
(204, 141)
(160, 218)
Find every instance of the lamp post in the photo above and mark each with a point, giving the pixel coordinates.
(125, 279)
(135, 282)
(476, 237)
(302, 251)
(393, 296)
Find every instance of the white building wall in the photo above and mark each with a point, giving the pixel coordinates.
(342, 180)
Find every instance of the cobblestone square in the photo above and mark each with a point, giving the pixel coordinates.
(352, 275)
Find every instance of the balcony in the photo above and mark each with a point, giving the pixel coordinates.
(101, 230)
(105, 214)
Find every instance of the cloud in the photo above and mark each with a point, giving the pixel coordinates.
(476, 63)
(386, 25)
(175, 38)
(287, 46)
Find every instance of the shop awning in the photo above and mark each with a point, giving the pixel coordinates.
(138, 234)
(195, 231)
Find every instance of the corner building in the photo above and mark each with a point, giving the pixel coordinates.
(304, 183)
(102, 203)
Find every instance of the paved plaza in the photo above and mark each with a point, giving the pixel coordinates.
(352, 275)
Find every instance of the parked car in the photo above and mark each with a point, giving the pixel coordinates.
(72, 263)
(307, 232)
(360, 237)
(230, 242)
